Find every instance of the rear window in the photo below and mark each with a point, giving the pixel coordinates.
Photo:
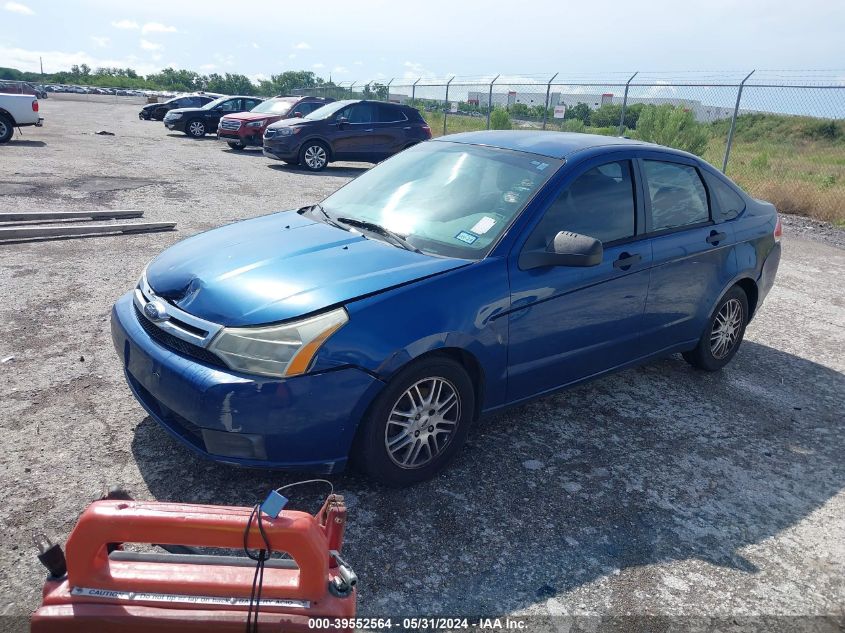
(389, 114)
(727, 203)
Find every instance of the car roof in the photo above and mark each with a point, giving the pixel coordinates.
(545, 143)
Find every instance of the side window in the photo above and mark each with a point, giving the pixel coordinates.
(249, 104)
(360, 113)
(727, 203)
(678, 197)
(232, 105)
(307, 108)
(389, 114)
(600, 203)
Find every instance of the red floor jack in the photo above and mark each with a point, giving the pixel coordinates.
(100, 586)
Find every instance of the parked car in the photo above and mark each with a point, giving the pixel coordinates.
(198, 122)
(461, 276)
(17, 110)
(245, 129)
(356, 130)
(156, 111)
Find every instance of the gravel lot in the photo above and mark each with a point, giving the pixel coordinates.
(658, 492)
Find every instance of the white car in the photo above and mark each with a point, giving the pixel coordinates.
(17, 111)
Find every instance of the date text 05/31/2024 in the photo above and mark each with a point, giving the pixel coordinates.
(375, 624)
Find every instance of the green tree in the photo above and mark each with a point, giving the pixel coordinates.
(606, 116)
(519, 110)
(500, 119)
(672, 126)
(580, 111)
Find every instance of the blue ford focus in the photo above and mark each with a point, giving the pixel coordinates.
(461, 276)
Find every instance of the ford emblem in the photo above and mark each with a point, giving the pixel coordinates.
(156, 311)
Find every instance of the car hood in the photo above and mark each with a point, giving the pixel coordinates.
(294, 121)
(279, 267)
(253, 116)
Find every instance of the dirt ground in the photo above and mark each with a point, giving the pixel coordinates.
(660, 494)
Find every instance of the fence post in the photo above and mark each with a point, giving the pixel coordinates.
(625, 103)
(446, 109)
(414, 90)
(546, 109)
(733, 122)
(490, 100)
(351, 94)
(388, 89)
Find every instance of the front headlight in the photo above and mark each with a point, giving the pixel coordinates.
(177, 115)
(278, 350)
(256, 123)
(288, 131)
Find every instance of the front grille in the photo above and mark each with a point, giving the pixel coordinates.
(227, 124)
(176, 344)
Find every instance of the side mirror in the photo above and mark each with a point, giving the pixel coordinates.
(341, 121)
(566, 249)
(297, 115)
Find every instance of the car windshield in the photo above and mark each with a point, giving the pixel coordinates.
(210, 105)
(273, 106)
(447, 199)
(327, 110)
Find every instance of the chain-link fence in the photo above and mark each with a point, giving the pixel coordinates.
(779, 134)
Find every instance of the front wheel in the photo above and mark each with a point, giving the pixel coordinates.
(195, 128)
(7, 128)
(314, 156)
(723, 333)
(236, 146)
(418, 423)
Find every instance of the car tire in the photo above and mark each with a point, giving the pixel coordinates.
(314, 155)
(7, 128)
(723, 333)
(401, 443)
(195, 128)
(236, 146)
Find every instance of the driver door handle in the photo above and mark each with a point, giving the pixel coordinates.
(626, 260)
(370, 130)
(716, 237)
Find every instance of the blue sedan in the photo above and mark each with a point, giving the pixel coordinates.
(461, 276)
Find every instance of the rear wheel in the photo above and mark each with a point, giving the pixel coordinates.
(723, 333)
(418, 423)
(236, 146)
(7, 128)
(195, 128)
(314, 156)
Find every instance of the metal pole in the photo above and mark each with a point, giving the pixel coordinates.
(388, 88)
(733, 122)
(625, 104)
(351, 94)
(546, 109)
(446, 109)
(414, 90)
(490, 100)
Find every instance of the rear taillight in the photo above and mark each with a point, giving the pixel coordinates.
(35, 105)
(778, 230)
(427, 130)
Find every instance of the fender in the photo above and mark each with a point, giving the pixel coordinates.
(9, 114)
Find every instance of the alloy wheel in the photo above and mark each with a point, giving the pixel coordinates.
(4, 129)
(422, 422)
(726, 329)
(315, 157)
(196, 128)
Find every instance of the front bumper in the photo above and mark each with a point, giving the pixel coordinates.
(281, 148)
(302, 423)
(247, 140)
(175, 124)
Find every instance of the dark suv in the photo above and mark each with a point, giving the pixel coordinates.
(356, 130)
(156, 111)
(198, 122)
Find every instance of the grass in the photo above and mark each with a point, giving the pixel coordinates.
(796, 163)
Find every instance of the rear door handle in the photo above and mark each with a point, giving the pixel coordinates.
(715, 237)
(626, 260)
(370, 130)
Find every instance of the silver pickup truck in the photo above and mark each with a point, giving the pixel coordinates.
(17, 111)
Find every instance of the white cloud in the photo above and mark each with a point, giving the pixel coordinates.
(292, 56)
(358, 63)
(258, 78)
(340, 70)
(17, 7)
(208, 67)
(226, 60)
(150, 46)
(128, 25)
(62, 60)
(302, 46)
(100, 42)
(254, 45)
(318, 66)
(158, 27)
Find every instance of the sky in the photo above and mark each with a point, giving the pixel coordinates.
(380, 40)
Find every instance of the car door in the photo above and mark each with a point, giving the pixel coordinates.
(352, 139)
(568, 323)
(389, 131)
(213, 116)
(692, 255)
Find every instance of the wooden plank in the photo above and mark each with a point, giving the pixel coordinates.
(23, 216)
(20, 233)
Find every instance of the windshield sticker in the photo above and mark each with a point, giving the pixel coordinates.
(466, 237)
(538, 165)
(483, 225)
